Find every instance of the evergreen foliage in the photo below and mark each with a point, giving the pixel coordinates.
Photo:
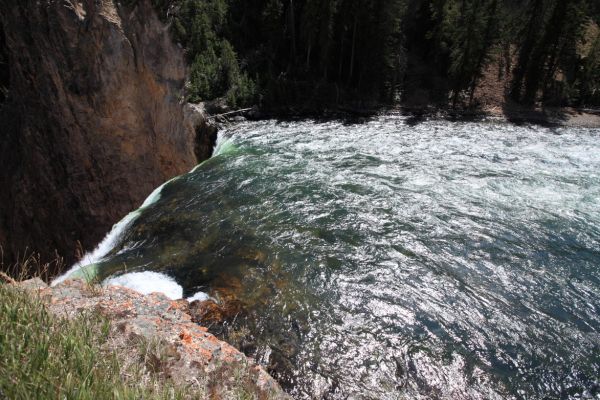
(360, 51)
(215, 71)
(587, 83)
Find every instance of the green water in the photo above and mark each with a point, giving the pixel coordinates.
(387, 260)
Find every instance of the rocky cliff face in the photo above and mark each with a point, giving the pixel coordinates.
(93, 123)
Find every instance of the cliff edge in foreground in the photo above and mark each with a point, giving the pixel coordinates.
(178, 350)
(94, 120)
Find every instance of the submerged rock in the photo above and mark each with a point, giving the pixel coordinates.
(208, 312)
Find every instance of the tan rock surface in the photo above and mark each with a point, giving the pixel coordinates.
(191, 354)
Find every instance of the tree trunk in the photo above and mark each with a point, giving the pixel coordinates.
(507, 60)
(553, 29)
(341, 63)
(487, 39)
(353, 48)
(292, 24)
(535, 15)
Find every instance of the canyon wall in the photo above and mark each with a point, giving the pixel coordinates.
(94, 121)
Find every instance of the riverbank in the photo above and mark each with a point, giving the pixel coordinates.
(568, 117)
(152, 339)
(510, 113)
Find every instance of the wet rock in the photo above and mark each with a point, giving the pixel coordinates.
(208, 312)
(237, 119)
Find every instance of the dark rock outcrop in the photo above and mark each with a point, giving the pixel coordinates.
(93, 123)
(205, 131)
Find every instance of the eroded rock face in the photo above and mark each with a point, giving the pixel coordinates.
(94, 122)
(196, 120)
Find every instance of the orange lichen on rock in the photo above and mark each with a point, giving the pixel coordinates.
(185, 337)
(193, 351)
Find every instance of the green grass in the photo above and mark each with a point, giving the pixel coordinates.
(46, 357)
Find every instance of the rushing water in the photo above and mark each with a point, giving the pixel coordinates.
(387, 260)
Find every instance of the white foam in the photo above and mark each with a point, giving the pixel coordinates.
(222, 145)
(221, 139)
(148, 282)
(110, 240)
(112, 237)
(200, 296)
(106, 245)
(154, 196)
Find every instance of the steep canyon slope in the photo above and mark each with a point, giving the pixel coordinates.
(94, 120)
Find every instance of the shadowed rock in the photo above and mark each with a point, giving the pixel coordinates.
(93, 123)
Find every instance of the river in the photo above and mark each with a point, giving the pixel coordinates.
(390, 259)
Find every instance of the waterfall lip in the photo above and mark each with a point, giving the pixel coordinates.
(112, 237)
(146, 282)
(223, 145)
(103, 248)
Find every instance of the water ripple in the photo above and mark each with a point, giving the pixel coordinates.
(384, 261)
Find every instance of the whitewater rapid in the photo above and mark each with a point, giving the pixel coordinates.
(391, 259)
(143, 282)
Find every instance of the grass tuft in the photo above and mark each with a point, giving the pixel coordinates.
(46, 357)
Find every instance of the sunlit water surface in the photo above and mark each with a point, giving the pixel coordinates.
(383, 260)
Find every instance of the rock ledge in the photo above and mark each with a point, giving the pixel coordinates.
(193, 354)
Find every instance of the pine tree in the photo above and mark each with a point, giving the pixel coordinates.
(393, 54)
(530, 37)
(435, 50)
(589, 79)
(468, 27)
